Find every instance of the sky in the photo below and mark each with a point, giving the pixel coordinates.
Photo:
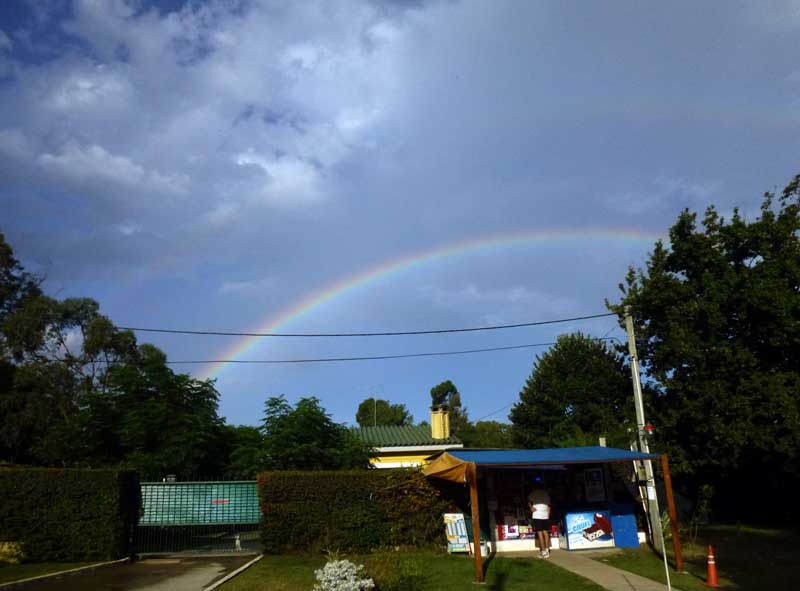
(368, 166)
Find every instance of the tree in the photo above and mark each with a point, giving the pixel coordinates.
(304, 437)
(446, 394)
(380, 412)
(246, 455)
(579, 390)
(58, 355)
(167, 423)
(717, 319)
(487, 435)
(16, 285)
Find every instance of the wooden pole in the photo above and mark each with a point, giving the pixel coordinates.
(673, 514)
(472, 475)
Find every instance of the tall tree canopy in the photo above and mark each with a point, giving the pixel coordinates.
(487, 435)
(76, 391)
(446, 394)
(16, 284)
(304, 437)
(579, 390)
(372, 412)
(717, 317)
(165, 422)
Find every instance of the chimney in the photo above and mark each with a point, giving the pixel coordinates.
(440, 422)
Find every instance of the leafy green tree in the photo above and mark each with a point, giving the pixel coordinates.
(16, 285)
(167, 423)
(446, 394)
(58, 355)
(717, 319)
(487, 435)
(304, 437)
(246, 456)
(380, 412)
(579, 390)
(75, 390)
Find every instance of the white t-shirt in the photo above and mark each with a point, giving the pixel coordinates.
(540, 500)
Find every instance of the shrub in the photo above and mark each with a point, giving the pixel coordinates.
(67, 515)
(341, 575)
(348, 510)
(392, 572)
(11, 553)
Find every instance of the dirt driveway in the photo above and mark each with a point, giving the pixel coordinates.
(153, 574)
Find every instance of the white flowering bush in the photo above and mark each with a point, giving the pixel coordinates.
(342, 575)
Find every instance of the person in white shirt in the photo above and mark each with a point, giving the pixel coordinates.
(539, 503)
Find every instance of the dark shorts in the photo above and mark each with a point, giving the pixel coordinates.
(541, 524)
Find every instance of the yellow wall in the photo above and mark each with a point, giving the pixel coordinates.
(405, 458)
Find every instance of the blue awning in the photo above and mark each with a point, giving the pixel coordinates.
(558, 455)
(453, 463)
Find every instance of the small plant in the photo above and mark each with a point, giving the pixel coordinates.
(702, 511)
(333, 554)
(11, 553)
(342, 575)
(393, 572)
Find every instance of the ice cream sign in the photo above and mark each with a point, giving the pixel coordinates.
(589, 530)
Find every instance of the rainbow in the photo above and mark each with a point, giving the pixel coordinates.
(396, 266)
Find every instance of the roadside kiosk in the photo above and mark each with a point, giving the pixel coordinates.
(593, 500)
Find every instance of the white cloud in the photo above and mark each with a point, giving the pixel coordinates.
(287, 179)
(15, 144)
(87, 163)
(5, 42)
(128, 229)
(87, 88)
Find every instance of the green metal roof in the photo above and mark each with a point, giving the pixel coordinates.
(385, 436)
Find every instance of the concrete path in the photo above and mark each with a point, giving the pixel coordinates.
(154, 574)
(604, 575)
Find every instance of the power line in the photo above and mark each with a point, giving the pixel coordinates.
(371, 358)
(362, 334)
(365, 358)
(494, 412)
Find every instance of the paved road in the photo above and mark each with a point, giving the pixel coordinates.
(155, 574)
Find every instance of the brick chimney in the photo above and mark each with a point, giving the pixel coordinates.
(440, 422)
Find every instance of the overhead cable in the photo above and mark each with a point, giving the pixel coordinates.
(363, 334)
(370, 358)
(365, 358)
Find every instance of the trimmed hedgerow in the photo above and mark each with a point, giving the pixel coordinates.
(68, 515)
(348, 510)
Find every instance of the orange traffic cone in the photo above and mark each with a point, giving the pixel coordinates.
(712, 569)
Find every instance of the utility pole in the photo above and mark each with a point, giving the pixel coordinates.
(374, 411)
(650, 489)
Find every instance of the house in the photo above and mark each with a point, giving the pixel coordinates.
(403, 447)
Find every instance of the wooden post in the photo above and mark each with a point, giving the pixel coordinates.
(472, 475)
(673, 514)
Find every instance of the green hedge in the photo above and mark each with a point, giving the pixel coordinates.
(348, 510)
(67, 515)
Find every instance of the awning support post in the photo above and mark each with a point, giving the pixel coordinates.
(673, 514)
(472, 476)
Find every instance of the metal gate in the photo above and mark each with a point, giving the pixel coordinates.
(198, 518)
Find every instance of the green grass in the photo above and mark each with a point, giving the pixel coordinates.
(746, 557)
(17, 572)
(440, 573)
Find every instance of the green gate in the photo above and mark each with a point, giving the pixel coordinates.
(198, 517)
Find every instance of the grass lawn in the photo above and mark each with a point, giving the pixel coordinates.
(16, 572)
(747, 558)
(441, 573)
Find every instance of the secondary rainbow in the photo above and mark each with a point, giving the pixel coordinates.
(415, 260)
